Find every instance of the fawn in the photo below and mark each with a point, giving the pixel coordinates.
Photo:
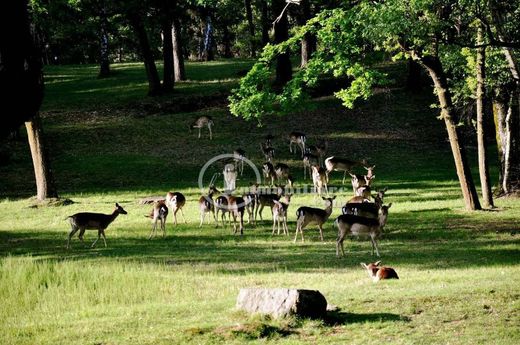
(378, 273)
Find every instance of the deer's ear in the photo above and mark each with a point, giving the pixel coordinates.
(117, 205)
(364, 265)
(389, 205)
(377, 263)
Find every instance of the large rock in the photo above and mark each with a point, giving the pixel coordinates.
(282, 302)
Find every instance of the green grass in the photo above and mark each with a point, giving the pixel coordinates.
(459, 270)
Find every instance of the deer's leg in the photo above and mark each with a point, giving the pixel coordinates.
(163, 227)
(374, 245)
(210, 133)
(72, 232)
(320, 226)
(153, 229)
(241, 215)
(199, 132)
(81, 233)
(202, 216)
(260, 211)
(182, 214)
(104, 237)
(290, 146)
(97, 239)
(344, 176)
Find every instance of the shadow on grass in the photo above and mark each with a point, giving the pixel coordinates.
(342, 318)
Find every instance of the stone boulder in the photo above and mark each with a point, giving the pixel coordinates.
(281, 302)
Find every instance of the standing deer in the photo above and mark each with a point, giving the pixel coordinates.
(308, 215)
(92, 221)
(279, 211)
(158, 214)
(299, 139)
(176, 201)
(269, 140)
(206, 205)
(230, 177)
(269, 172)
(221, 205)
(319, 179)
(362, 180)
(201, 122)
(319, 150)
(341, 164)
(378, 273)
(308, 161)
(355, 225)
(239, 157)
(267, 199)
(251, 199)
(236, 207)
(282, 171)
(267, 151)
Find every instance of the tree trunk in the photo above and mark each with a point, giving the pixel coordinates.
(226, 41)
(469, 193)
(281, 34)
(413, 77)
(251, 26)
(264, 9)
(45, 186)
(308, 44)
(104, 70)
(178, 56)
(154, 82)
(483, 165)
(168, 71)
(500, 112)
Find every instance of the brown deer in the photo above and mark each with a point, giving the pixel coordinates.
(308, 161)
(269, 172)
(92, 221)
(206, 205)
(176, 202)
(341, 164)
(282, 171)
(319, 179)
(349, 224)
(308, 215)
(251, 199)
(236, 208)
(279, 211)
(267, 151)
(201, 122)
(239, 157)
(299, 139)
(378, 273)
(267, 199)
(362, 180)
(159, 214)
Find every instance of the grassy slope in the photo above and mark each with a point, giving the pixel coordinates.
(459, 271)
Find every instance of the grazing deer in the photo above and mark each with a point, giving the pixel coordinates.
(267, 151)
(319, 179)
(355, 225)
(265, 199)
(282, 171)
(201, 122)
(92, 221)
(299, 139)
(239, 156)
(341, 164)
(176, 201)
(236, 208)
(269, 172)
(251, 199)
(307, 215)
(158, 214)
(308, 161)
(230, 177)
(378, 273)
(206, 205)
(279, 211)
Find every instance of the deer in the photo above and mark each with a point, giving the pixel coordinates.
(290, 181)
(341, 164)
(221, 204)
(309, 160)
(378, 273)
(362, 180)
(236, 208)
(269, 172)
(279, 210)
(307, 215)
(299, 139)
(349, 224)
(230, 177)
(92, 221)
(269, 140)
(239, 157)
(206, 205)
(266, 199)
(360, 206)
(282, 171)
(201, 122)
(319, 150)
(319, 179)
(267, 151)
(251, 199)
(159, 214)
(176, 201)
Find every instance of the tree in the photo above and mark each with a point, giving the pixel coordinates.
(281, 34)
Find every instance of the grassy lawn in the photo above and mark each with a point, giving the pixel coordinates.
(460, 271)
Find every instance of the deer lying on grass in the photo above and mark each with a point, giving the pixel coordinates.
(308, 215)
(299, 139)
(206, 205)
(176, 202)
(92, 221)
(279, 211)
(267, 151)
(201, 122)
(319, 179)
(159, 214)
(378, 273)
(267, 199)
(349, 224)
(341, 164)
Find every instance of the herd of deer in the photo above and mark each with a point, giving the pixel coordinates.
(360, 215)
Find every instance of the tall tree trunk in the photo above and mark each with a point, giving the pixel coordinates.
(500, 105)
(308, 43)
(104, 70)
(154, 82)
(487, 197)
(45, 186)
(413, 77)
(469, 192)
(251, 26)
(168, 71)
(264, 10)
(281, 34)
(226, 41)
(178, 56)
